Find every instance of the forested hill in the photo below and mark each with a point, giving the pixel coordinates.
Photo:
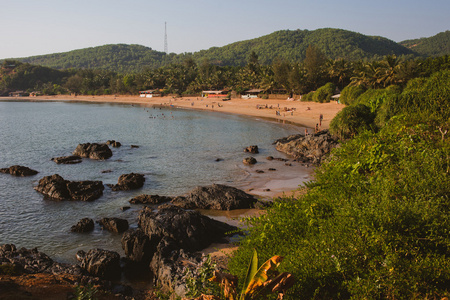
(120, 58)
(289, 45)
(437, 45)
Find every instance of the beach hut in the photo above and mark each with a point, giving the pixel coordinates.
(252, 93)
(215, 94)
(149, 93)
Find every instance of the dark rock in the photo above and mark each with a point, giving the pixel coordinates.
(249, 160)
(101, 263)
(84, 225)
(252, 149)
(57, 188)
(311, 148)
(93, 151)
(113, 143)
(106, 171)
(32, 261)
(215, 196)
(67, 160)
(124, 208)
(219, 159)
(137, 246)
(269, 157)
(17, 170)
(272, 169)
(130, 181)
(150, 199)
(134, 146)
(114, 224)
(259, 171)
(189, 230)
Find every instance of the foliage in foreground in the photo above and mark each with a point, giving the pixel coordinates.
(374, 224)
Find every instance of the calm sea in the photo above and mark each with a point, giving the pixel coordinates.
(177, 152)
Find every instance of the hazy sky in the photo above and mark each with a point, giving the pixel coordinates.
(34, 27)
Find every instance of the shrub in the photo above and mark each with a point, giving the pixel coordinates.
(352, 120)
(324, 93)
(308, 97)
(350, 94)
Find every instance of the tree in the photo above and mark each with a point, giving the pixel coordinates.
(314, 67)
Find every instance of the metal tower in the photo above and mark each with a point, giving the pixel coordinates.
(166, 48)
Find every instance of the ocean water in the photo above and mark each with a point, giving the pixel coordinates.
(177, 152)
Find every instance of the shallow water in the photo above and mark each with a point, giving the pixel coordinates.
(177, 152)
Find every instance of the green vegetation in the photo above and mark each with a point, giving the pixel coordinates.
(434, 46)
(374, 223)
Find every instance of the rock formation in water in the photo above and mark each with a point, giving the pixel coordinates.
(311, 148)
(17, 170)
(116, 225)
(93, 151)
(100, 263)
(58, 188)
(252, 149)
(249, 160)
(150, 199)
(113, 143)
(67, 160)
(216, 196)
(84, 225)
(128, 182)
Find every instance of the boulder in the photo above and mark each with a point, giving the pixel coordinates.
(130, 181)
(188, 229)
(67, 160)
(58, 188)
(114, 224)
(252, 149)
(309, 149)
(17, 170)
(150, 199)
(138, 247)
(93, 151)
(249, 160)
(84, 225)
(215, 196)
(100, 263)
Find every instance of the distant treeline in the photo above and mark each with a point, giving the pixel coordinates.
(190, 77)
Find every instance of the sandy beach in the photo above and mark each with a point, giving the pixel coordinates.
(300, 113)
(305, 114)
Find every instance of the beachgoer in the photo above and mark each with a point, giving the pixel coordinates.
(317, 128)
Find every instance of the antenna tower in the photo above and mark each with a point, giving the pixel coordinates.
(166, 48)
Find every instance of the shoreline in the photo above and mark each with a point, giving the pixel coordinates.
(302, 114)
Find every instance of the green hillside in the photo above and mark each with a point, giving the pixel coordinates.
(437, 45)
(289, 45)
(121, 58)
(292, 45)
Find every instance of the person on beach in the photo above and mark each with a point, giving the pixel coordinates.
(317, 128)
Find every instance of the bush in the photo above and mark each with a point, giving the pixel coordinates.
(308, 97)
(350, 94)
(374, 223)
(352, 120)
(324, 93)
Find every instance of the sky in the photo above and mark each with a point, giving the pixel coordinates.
(35, 27)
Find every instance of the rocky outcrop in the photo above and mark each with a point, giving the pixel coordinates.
(311, 148)
(93, 151)
(128, 182)
(58, 188)
(17, 170)
(67, 160)
(84, 225)
(150, 199)
(100, 263)
(32, 261)
(114, 224)
(166, 240)
(249, 160)
(138, 247)
(252, 149)
(216, 196)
